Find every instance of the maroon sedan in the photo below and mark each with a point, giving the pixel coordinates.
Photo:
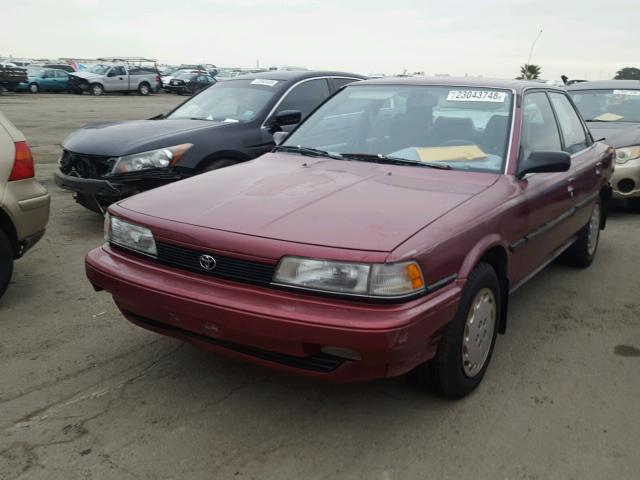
(384, 235)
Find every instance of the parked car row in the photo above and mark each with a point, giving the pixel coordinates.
(360, 228)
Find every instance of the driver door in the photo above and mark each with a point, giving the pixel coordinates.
(116, 79)
(545, 199)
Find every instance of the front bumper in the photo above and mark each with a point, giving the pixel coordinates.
(626, 179)
(278, 329)
(177, 89)
(91, 186)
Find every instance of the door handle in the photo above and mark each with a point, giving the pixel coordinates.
(571, 179)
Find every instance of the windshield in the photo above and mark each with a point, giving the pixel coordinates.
(99, 69)
(462, 128)
(184, 75)
(608, 105)
(230, 101)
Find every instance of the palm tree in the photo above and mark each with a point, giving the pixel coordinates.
(529, 72)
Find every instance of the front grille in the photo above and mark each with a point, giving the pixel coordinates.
(228, 268)
(85, 166)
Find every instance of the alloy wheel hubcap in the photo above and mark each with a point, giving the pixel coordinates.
(594, 230)
(478, 332)
(144, 90)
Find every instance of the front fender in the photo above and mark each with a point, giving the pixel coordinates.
(476, 253)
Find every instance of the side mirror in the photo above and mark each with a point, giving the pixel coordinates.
(541, 162)
(287, 117)
(278, 137)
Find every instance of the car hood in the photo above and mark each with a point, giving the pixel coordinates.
(334, 203)
(85, 75)
(616, 134)
(123, 138)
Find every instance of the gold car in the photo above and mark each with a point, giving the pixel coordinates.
(24, 203)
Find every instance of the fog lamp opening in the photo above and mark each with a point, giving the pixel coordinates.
(346, 353)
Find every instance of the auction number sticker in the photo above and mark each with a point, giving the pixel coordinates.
(476, 96)
(262, 81)
(627, 92)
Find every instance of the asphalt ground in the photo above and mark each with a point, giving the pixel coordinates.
(85, 394)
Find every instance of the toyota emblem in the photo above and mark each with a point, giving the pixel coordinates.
(207, 262)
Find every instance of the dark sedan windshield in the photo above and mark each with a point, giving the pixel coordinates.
(463, 128)
(608, 105)
(230, 101)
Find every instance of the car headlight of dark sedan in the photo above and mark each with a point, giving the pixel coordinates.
(161, 158)
(623, 155)
(384, 280)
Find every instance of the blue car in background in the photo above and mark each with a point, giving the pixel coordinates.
(45, 79)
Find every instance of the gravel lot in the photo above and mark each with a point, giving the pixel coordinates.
(84, 394)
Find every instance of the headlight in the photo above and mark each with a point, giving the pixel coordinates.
(160, 158)
(623, 155)
(129, 235)
(370, 280)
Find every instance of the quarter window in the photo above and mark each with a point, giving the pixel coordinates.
(539, 128)
(574, 136)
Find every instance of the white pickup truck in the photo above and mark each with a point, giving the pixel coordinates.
(115, 77)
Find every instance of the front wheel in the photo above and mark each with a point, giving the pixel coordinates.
(6, 262)
(583, 250)
(34, 88)
(465, 349)
(96, 89)
(217, 164)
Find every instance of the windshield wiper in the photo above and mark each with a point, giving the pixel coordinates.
(379, 158)
(312, 152)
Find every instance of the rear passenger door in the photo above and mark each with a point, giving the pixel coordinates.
(304, 97)
(585, 176)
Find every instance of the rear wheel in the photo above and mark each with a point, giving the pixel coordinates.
(634, 204)
(96, 89)
(216, 164)
(34, 88)
(144, 89)
(583, 251)
(465, 349)
(6, 262)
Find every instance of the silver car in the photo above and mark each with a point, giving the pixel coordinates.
(114, 77)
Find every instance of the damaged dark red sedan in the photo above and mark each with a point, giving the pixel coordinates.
(382, 236)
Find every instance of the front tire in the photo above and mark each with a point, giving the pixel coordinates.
(466, 346)
(34, 88)
(96, 89)
(583, 251)
(217, 164)
(6, 262)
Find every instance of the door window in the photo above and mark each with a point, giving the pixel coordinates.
(539, 128)
(306, 96)
(116, 71)
(573, 134)
(61, 74)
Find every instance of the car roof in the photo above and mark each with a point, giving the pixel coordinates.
(605, 85)
(294, 75)
(517, 85)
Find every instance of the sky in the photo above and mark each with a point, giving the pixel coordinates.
(580, 38)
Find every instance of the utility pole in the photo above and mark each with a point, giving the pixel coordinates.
(533, 45)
